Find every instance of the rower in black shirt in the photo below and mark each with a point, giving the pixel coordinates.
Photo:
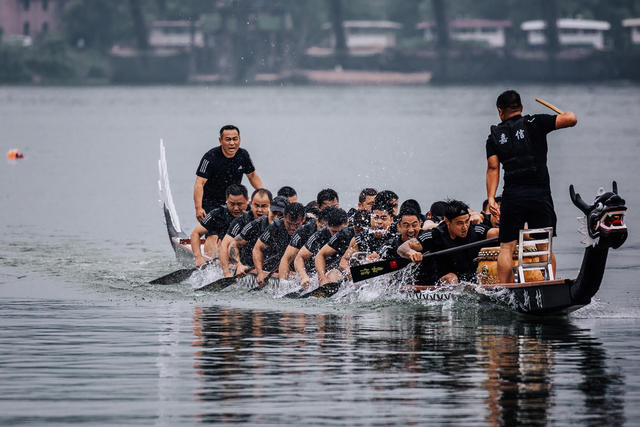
(273, 242)
(372, 240)
(365, 202)
(219, 168)
(325, 198)
(259, 206)
(216, 222)
(456, 230)
(289, 192)
(241, 247)
(336, 220)
(519, 143)
(337, 246)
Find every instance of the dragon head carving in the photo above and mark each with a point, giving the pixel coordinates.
(605, 217)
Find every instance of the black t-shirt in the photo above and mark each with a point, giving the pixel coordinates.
(390, 246)
(461, 262)
(238, 224)
(340, 241)
(250, 233)
(315, 242)
(276, 239)
(511, 139)
(368, 242)
(217, 221)
(303, 233)
(424, 274)
(221, 172)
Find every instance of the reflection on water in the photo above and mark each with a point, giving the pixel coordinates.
(400, 365)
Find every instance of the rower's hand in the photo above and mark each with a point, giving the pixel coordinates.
(262, 276)
(415, 256)
(373, 256)
(305, 282)
(476, 218)
(200, 214)
(200, 261)
(241, 270)
(323, 281)
(494, 208)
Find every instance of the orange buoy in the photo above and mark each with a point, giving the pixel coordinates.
(14, 153)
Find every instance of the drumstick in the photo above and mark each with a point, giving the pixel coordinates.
(553, 107)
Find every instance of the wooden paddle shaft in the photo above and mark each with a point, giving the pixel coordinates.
(553, 107)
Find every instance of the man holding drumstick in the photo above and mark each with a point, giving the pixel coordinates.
(519, 143)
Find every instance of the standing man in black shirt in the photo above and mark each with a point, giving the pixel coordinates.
(520, 144)
(219, 168)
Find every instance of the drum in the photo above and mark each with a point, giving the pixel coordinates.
(488, 265)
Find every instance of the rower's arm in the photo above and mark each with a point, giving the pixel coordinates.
(287, 259)
(255, 180)
(353, 248)
(258, 256)
(198, 192)
(321, 261)
(303, 256)
(411, 249)
(566, 120)
(493, 179)
(224, 255)
(195, 244)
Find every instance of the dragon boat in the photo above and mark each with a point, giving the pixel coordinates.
(605, 230)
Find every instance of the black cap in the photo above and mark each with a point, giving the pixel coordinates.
(279, 203)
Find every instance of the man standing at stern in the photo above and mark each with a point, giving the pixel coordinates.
(219, 168)
(520, 144)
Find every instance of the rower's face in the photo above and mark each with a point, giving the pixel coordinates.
(381, 220)
(260, 205)
(367, 205)
(327, 203)
(409, 227)
(293, 199)
(236, 204)
(320, 224)
(230, 142)
(394, 203)
(459, 226)
(291, 225)
(334, 229)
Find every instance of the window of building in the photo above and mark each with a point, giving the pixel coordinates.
(45, 27)
(25, 28)
(45, 4)
(26, 4)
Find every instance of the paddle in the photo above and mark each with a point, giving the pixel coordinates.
(324, 291)
(220, 284)
(378, 268)
(553, 107)
(266, 280)
(179, 275)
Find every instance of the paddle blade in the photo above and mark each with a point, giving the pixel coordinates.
(378, 268)
(324, 291)
(174, 277)
(218, 285)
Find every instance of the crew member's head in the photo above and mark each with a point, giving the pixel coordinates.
(229, 140)
(237, 199)
(260, 202)
(388, 197)
(381, 218)
(327, 197)
(437, 211)
(311, 209)
(413, 205)
(336, 219)
(366, 199)
(457, 218)
(509, 104)
(277, 207)
(293, 217)
(289, 193)
(409, 224)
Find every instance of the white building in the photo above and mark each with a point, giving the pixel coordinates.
(490, 32)
(634, 25)
(368, 35)
(175, 34)
(570, 32)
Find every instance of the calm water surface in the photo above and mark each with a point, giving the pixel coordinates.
(84, 340)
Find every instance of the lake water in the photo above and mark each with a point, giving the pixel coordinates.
(84, 339)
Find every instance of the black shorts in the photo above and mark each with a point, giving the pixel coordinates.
(536, 212)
